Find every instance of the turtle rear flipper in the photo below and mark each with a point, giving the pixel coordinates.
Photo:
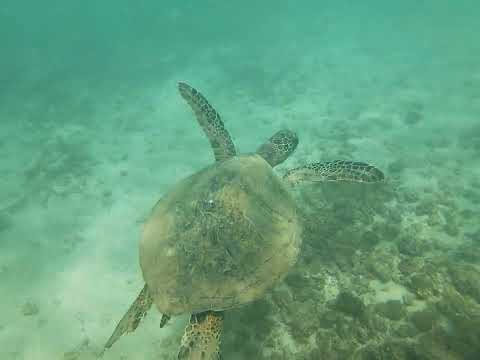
(210, 121)
(338, 170)
(132, 317)
(279, 147)
(201, 340)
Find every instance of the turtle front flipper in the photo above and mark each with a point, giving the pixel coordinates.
(132, 317)
(338, 170)
(279, 147)
(201, 340)
(210, 121)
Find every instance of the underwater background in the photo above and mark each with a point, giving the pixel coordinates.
(93, 132)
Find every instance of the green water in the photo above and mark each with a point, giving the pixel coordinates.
(93, 132)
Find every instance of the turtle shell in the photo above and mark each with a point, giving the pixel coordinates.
(220, 238)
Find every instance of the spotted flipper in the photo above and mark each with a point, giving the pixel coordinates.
(201, 340)
(132, 317)
(210, 121)
(279, 147)
(338, 170)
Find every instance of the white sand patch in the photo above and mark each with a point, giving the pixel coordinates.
(384, 292)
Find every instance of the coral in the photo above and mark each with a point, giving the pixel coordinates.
(427, 282)
(349, 304)
(451, 226)
(330, 346)
(409, 244)
(424, 320)
(414, 113)
(30, 309)
(405, 330)
(466, 279)
(5, 221)
(397, 166)
(390, 349)
(410, 264)
(382, 263)
(391, 309)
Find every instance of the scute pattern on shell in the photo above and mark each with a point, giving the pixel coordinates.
(220, 238)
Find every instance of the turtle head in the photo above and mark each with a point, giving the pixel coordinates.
(279, 147)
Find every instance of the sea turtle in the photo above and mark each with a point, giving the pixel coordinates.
(225, 235)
